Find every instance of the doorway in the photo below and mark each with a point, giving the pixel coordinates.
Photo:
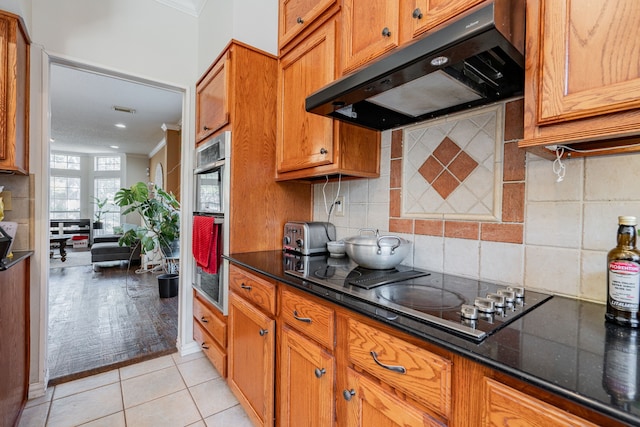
(106, 130)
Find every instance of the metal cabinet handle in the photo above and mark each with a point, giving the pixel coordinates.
(299, 20)
(206, 128)
(263, 332)
(348, 394)
(243, 286)
(204, 345)
(394, 368)
(386, 32)
(417, 13)
(204, 319)
(320, 372)
(323, 151)
(301, 319)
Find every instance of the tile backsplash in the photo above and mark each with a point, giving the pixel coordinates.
(21, 208)
(548, 235)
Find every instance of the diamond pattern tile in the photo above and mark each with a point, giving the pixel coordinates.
(462, 166)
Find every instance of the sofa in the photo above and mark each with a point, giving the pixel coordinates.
(106, 248)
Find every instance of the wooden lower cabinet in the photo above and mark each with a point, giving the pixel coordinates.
(369, 404)
(210, 332)
(14, 342)
(252, 339)
(306, 382)
(507, 406)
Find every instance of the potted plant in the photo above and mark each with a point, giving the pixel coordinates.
(100, 204)
(160, 229)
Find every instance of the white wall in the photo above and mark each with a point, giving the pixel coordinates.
(254, 22)
(18, 7)
(142, 38)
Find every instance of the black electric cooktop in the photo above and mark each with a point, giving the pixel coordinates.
(469, 308)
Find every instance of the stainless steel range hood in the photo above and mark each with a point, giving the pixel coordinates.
(475, 60)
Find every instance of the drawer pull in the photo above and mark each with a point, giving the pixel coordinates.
(320, 372)
(417, 14)
(348, 394)
(394, 368)
(204, 319)
(243, 286)
(263, 332)
(206, 128)
(301, 319)
(299, 20)
(204, 345)
(386, 32)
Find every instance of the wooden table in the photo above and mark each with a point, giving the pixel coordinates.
(61, 240)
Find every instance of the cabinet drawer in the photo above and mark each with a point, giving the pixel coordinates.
(216, 355)
(258, 291)
(424, 376)
(313, 319)
(204, 315)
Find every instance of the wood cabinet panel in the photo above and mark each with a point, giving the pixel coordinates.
(306, 382)
(507, 406)
(204, 314)
(14, 95)
(253, 288)
(14, 341)
(581, 79)
(420, 16)
(297, 15)
(369, 29)
(214, 352)
(305, 140)
(371, 405)
(424, 376)
(315, 320)
(252, 359)
(212, 98)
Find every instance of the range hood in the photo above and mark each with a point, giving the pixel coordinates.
(474, 60)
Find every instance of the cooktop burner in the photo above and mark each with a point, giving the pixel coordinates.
(470, 308)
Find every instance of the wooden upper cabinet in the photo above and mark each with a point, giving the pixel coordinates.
(419, 16)
(370, 29)
(297, 15)
(14, 95)
(212, 98)
(582, 75)
(305, 140)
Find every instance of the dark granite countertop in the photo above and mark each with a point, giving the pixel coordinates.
(563, 346)
(7, 263)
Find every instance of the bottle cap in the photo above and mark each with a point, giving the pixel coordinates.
(627, 220)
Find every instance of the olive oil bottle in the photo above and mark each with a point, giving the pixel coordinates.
(623, 276)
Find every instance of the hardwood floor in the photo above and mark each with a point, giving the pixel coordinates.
(103, 318)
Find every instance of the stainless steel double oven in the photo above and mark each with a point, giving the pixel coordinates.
(212, 178)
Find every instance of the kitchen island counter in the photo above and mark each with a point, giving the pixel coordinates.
(560, 346)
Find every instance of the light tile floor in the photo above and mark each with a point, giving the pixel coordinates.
(168, 391)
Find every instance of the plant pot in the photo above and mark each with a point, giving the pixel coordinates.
(168, 285)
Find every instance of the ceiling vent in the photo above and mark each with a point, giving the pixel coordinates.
(124, 109)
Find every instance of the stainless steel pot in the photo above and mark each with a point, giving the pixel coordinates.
(376, 252)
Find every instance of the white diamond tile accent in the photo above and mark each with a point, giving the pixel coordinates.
(479, 134)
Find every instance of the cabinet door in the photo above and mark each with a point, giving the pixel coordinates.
(307, 375)
(419, 16)
(14, 96)
(251, 359)
(14, 342)
(212, 98)
(296, 15)
(507, 406)
(369, 29)
(371, 405)
(305, 140)
(582, 82)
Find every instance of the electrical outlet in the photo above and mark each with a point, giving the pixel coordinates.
(339, 206)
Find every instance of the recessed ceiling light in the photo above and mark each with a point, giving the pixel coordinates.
(114, 146)
(121, 125)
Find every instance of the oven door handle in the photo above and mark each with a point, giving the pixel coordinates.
(395, 368)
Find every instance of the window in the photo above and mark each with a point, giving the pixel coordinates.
(63, 161)
(64, 197)
(107, 164)
(107, 188)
